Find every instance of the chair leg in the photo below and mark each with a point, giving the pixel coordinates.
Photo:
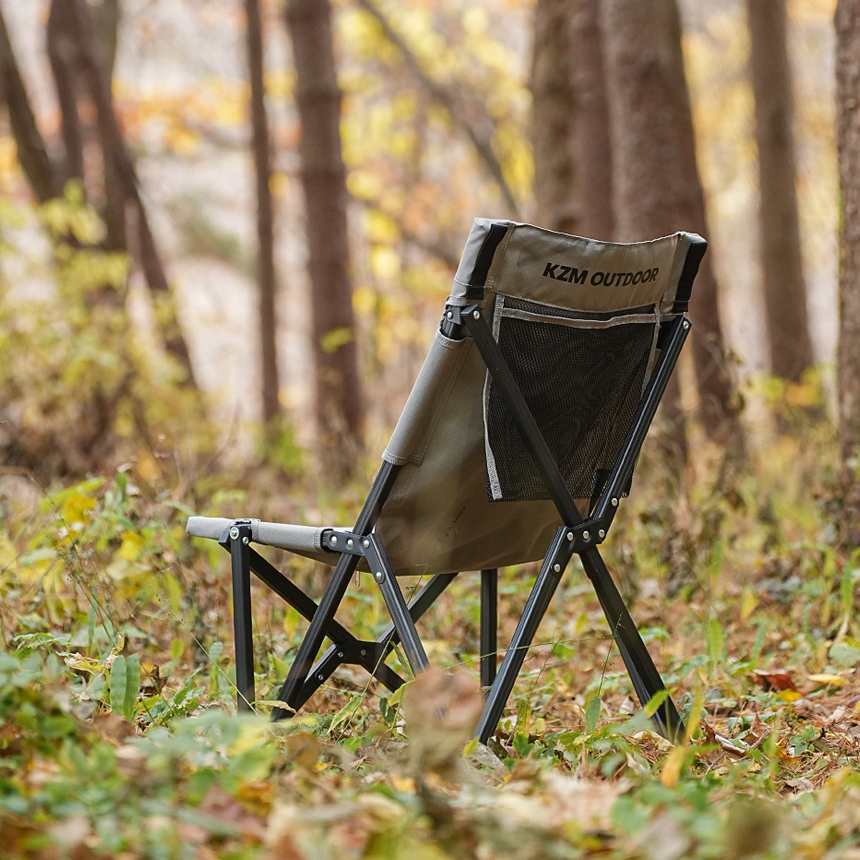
(419, 604)
(643, 673)
(242, 636)
(336, 588)
(370, 655)
(545, 585)
(324, 615)
(383, 574)
(489, 625)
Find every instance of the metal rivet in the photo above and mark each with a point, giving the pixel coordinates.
(570, 535)
(615, 503)
(557, 568)
(321, 677)
(686, 324)
(334, 539)
(340, 654)
(586, 536)
(364, 652)
(449, 315)
(601, 534)
(234, 533)
(379, 576)
(366, 544)
(349, 543)
(245, 540)
(476, 315)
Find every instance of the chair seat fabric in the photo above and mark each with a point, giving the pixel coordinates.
(467, 496)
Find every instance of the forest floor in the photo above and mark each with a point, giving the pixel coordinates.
(119, 737)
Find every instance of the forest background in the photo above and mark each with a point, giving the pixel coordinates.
(228, 229)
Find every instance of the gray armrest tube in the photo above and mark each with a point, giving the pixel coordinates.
(207, 527)
(305, 540)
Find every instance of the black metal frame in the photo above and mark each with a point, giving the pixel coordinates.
(577, 534)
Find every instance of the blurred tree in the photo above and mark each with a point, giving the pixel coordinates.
(848, 131)
(554, 117)
(32, 151)
(127, 203)
(265, 217)
(462, 104)
(339, 404)
(591, 136)
(81, 69)
(784, 290)
(64, 54)
(570, 120)
(656, 181)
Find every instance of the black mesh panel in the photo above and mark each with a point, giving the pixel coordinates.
(582, 386)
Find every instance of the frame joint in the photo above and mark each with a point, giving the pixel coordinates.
(590, 533)
(344, 542)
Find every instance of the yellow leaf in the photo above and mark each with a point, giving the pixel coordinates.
(405, 784)
(790, 695)
(749, 601)
(8, 157)
(131, 547)
(148, 469)
(278, 184)
(671, 770)
(181, 140)
(826, 678)
(363, 300)
(304, 750)
(384, 262)
(8, 555)
(333, 340)
(75, 508)
(251, 735)
(806, 394)
(256, 797)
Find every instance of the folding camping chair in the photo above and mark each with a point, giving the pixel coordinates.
(516, 443)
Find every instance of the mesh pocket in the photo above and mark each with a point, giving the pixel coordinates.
(582, 380)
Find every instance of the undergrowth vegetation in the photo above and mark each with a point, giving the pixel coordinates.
(119, 736)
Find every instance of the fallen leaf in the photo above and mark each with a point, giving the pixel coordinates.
(778, 681)
(671, 770)
(752, 826)
(790, 695)
(826, 678)
(587, 803)
(801, 784)
(662, 839)
(304, 750)
(441, 710)
(227, 809)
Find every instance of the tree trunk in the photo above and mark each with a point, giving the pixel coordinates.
(33, 155)
(105, 33)
(784, 291)
(656, 180)
(63, 56)
(340, 410)
(271, 408)
(553, 116)
(122, 169)
(848, 136)
(592, 146)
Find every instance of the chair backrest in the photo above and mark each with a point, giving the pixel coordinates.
(577, 322)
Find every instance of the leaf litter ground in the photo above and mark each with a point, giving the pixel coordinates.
(119, 739)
